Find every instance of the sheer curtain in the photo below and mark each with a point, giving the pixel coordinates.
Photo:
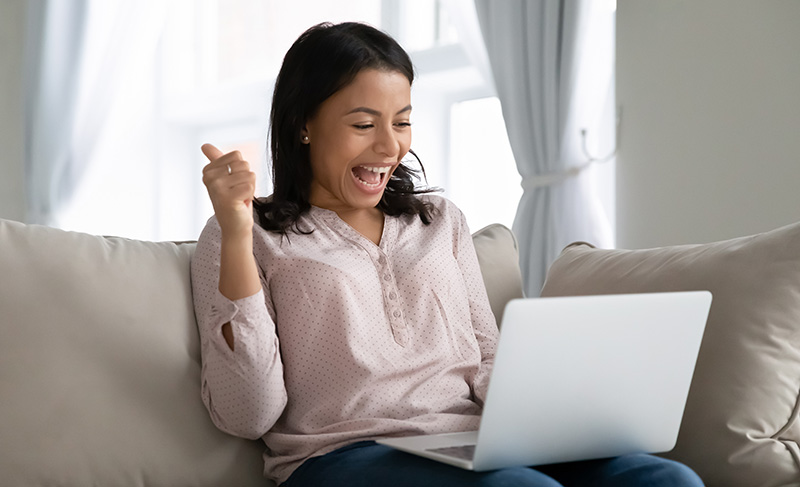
(538, 52)
(80, 55)
(54, 47)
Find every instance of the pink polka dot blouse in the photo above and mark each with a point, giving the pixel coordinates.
(347, 340)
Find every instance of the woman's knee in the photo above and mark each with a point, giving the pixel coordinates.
(660, 472)
(677, 474)
(637, 470)
(520, 476)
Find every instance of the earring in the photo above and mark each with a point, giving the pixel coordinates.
(305, 139)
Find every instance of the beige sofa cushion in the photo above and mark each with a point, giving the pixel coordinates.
(740, 426)
(100, 362)
(100, 367)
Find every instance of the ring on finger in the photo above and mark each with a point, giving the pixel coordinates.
(229, 169)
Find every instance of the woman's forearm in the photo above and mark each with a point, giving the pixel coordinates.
(238, 274)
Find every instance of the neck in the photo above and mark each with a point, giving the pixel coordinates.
(366, 221)
(345, 212)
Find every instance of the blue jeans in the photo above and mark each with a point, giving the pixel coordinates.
(368, 464)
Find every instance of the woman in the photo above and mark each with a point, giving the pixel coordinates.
(355, 308)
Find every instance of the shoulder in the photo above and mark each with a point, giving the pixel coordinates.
(446, 217)
(212, 233)
(443, 206)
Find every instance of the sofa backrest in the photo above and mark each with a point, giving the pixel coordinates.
(100, 362)
(100, 366)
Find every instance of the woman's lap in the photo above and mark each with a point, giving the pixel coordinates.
(368, 464)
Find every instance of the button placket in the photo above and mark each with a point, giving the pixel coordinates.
(400, 336)
(393, 310)
(377, 254)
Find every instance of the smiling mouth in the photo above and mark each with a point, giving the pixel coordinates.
(371, 176)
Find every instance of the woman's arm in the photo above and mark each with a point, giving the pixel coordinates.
(242, 372)
(243, 387)
(484, 324)
(231, 187)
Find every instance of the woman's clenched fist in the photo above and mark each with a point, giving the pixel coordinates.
(231, 186)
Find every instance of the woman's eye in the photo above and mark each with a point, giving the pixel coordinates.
(363, 127)
(403, 124)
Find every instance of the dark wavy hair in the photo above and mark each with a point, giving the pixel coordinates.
(323, 60)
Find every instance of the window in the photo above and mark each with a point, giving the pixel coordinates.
(221, 94)
(482, 181)
(211, 81)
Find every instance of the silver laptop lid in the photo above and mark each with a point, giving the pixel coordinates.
(590, 377)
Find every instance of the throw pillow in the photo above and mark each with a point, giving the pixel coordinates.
(498, 257)
(740, 426)
(100, 367)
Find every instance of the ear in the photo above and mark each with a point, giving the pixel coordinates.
(304, 138)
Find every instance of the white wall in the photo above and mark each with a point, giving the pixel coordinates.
(710, 141)
(12, 177)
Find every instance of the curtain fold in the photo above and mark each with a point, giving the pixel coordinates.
(534, 50)
(54, 45)
(79, 55)
(465, 19)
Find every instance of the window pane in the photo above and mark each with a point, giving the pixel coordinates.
(254, 35)
(424, 24)
(484, 181)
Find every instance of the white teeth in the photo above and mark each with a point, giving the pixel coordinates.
(379, 170)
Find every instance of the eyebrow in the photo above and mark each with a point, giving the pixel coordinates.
(376, 113)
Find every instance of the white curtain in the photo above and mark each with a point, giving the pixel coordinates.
(79, 55)
(535, 50)
(54, 46)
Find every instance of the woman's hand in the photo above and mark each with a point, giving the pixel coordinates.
(231, 186)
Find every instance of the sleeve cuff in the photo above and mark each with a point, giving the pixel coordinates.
(244, 311)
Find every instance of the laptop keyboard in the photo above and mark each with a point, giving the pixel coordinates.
(465, 452)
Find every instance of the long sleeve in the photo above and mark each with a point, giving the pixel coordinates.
(243, 389)
(483, 321)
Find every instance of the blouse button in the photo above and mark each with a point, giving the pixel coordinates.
(381, 260)
(392, 295)
(387, 277)
(396, 313)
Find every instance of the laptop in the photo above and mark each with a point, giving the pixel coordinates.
(580, 378)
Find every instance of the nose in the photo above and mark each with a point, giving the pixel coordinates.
(387, 142)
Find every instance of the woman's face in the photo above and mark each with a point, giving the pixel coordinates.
(357, 138)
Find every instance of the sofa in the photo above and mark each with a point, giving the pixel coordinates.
(100, 360)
